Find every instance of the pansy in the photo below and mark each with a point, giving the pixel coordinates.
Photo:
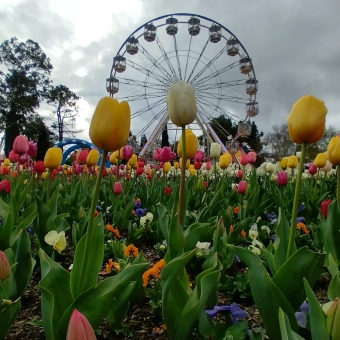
(57, 240)
(235, 312)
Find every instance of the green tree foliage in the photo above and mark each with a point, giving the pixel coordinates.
(277, 144)
(23, 84)
(65, 110)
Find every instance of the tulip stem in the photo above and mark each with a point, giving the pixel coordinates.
(85, 268)
(296, 202)
(338, 184)
(48, 186)
(182, 184)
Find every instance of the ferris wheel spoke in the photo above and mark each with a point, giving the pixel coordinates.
(147, 108)
(157, 64)
(177, 57)
(189, 49)
(147, 72)
(153, 120)
(143, 84)
(167, 60)
(216, 74)
(221, 52)
(197, 61)
(222, 84)
(225, 97)
(137, 97)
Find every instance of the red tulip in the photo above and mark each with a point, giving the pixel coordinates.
(79, 328)
(4, 266)
(13, 157)
(252, 157)
(82, 156)
(77, 169)
(167, 190)
(39, 167)
(282, 178)
(5, 185)
(117, 188)
(140, 164)
(324, 207)
(156, 154)
(20, 145)
(241, 188)
(139, 171)
(199, 156)
(197, 165)
(205, 183)
(208, 165)
(239, 174)
(312, 169)
(244, 159)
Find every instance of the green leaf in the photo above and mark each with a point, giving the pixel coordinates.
(269, 259)
(95, 259)
(317, 323)
(55, 294)
(4, 210)
(198, 232)
(289, 278)
(334, 287)
(286, 331)
(7, 316)
(238, 331)
(332, 231)
(267, 296)
(332, 266)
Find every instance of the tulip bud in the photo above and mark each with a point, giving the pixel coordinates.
(242, 187)
(292, 162)
(181, 103)
(327, 167)
(224, 160)
(312, 169)
(81, 213)
(7, 162)
(215, 150)
(191, 145)
(13, 156)
(244, 160)
(320, 160)
(32, 149)
(133, 160)
(53, 158)
(252, 157)
(117, 188)
(199, 156)
(333, 150)
(4, 266)
(127, 152)
(282, 178)
(208, 166)
(79, 328)
(283, 163)
(20, 145)
(92, 157)
(200, 186)
(324, 207)
(332, 311)
(166, 167)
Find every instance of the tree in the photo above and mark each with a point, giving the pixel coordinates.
(143, 141)
(277, 144)
(165, 137)
(66, 110)
(23, 85)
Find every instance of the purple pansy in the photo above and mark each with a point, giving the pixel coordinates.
(235, 311)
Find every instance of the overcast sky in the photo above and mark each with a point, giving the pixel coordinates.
(294, 46)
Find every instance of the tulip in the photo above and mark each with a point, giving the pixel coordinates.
(82, 156)
(244, 159)
(208, 166)
(292, 162)
(283, 163)
(110, 124)
(79, 328)
(156, 154)
(20, 144)
(32, 149)
(270, 167)
(191, 144)
(199, 156)
(306, 121)
(320, 160)
(39, 167)
(114, 157)
(92, 157)
(4, 266)
(176, 165)
(200, 185)
(241, 188)
(224, 160)
(133, 161)
(53, 158)
(187, 165)
(166, 167)
(140, 164)
(167, 190)
(77, 169)
(327, 167)
(7, 162)
(332, 311)
(239, 174)
(139, 171)
(13, 156)
(127, 152)
(181, 103)
(23, 158)
(333, 150)
(215, 150)
(5, 185)
(57, 240)
(282, 178)
(197, 165)
(117, 188)
(324, 207)
(252, 157)
(312, 169)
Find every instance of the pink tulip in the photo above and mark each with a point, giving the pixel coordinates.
(117, 188)
(32, 149)
(252, 157)
(312, 169)
(4, 266)
(77, 169)
(199, 156)
(241, 188)
(23, 158)
(208, 165)
(121, 167)
(13, 157)
(239, 174)
(165, 154)
(82, 156)
(127, 152)
(156, 154)
(244, 159)
(79, 328)
(20, 145)
(282, 178)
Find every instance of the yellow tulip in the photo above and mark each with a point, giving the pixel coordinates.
(192, 172)
(306, 121)
(283, 163)
(92, 157)
(187, 165)
(292, 162)
(53, 158)
(224, 160)
(166, 167)
(191, 166)
(181, 103)
(320, 160)
(110, 124)
(176, 165)
(43, 175)
(128, 167)
(7, 162)
(333, 150)
(191, 145)
(133, 160)
(113, 157)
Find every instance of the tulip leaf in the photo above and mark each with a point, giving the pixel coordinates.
(269, 259)
(317, 322)
(96, 302)
(7, 316)
(6, 229)
(55, 294)
(264, 289)
(289, 278)
(202, 232)
(282, 240)
(332, 266)
(96, 253)
(52, 204)
(286, 331)
(332, 231)
(5, 210)
(334, 287)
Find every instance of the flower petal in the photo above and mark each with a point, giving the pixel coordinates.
(50, 237)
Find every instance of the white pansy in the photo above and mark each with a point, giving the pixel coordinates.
(57, 240)
(267, 229)
(255, 250)
(253, 233)
(203, 246)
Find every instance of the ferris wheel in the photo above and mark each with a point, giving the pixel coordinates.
(192, 48)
